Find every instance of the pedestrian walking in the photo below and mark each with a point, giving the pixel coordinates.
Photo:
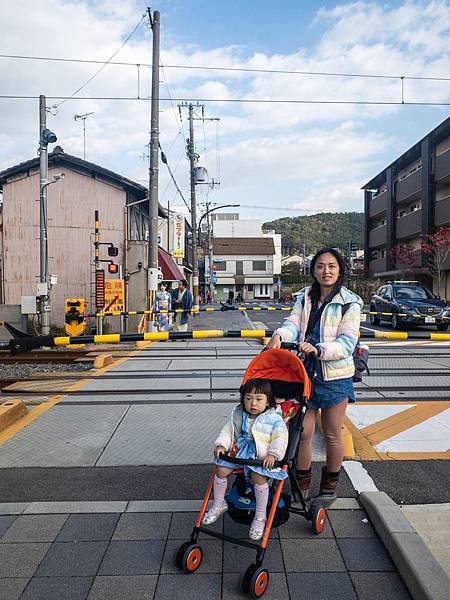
(255, 430)
(230, 297)
(182, 299)
(325, 321)
(163, 301)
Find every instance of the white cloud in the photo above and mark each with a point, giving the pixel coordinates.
(318, 154)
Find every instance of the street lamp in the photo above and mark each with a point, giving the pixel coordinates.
(210, 247)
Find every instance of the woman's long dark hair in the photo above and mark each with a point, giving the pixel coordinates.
(314, 293)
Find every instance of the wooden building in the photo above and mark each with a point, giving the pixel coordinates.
(71, 204)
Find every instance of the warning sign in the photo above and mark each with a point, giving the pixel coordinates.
(99, 289)
(114, 295)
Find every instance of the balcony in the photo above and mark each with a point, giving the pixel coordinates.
(379, 265)
(409, 225)
(378, 204)
(409, 187)
(378, 237)
(442, 167)
(442, 212)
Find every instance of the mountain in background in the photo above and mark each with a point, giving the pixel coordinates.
(316, 231)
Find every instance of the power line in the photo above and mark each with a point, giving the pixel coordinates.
(234, 100)
(164, 160)
(103, 65)
(228, 69)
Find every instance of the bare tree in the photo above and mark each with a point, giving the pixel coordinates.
(435, 249)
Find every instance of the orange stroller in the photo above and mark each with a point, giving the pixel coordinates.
(289, 380)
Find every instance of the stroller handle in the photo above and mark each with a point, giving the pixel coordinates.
(289, 346)
(248, 461)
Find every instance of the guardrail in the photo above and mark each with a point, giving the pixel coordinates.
(25, 344)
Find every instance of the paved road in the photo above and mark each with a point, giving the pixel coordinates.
(76, 482)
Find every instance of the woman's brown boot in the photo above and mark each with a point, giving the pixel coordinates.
(328, 484)
(304, 481)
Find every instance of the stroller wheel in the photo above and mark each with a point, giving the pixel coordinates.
(246, 578)
(259, 582)
(319, 519)
(192, 558)
(178, 556)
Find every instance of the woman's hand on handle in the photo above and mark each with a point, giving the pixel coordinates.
(275, 341)
(308, 348)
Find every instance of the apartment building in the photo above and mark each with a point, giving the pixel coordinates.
(406, 200)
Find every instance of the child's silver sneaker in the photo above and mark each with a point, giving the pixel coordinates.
(214, 513)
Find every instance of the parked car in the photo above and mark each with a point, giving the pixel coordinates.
(408, 303)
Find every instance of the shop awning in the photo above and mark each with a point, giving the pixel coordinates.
(170, 269)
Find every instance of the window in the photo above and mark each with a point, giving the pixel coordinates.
(259, 265)
(250, 287)
(239, 267)
(220, 266)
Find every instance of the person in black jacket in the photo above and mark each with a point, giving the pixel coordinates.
(182, 299)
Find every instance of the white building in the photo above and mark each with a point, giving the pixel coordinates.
(230, 225)
(244, 266)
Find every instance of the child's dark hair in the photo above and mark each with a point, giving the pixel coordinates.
(258, 386)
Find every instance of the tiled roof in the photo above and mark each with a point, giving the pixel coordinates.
(250, 246)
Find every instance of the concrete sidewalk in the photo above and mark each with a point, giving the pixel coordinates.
(120, 550)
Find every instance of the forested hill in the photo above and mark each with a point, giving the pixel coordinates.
(323, 229)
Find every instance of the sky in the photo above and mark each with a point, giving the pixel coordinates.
(273, 159)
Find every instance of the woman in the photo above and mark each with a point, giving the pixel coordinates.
(325, 321)
(163, 301)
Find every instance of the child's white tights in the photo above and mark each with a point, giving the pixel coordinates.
(220, 487)
(261, 497)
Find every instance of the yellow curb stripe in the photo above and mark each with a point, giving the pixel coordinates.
(52, 401)
(363, 448)
(386, 428)
(415, 455)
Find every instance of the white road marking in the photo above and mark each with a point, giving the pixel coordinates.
(363, 415)
(432, 435)
(358, 475)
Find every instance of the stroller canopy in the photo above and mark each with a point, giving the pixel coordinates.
(284, 370)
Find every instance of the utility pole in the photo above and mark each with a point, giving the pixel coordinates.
(192, 160)
(152, 263)
(210, 251)
(45, 137)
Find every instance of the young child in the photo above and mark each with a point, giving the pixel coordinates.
(257, 430)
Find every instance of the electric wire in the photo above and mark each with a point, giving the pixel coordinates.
(164, 160)
(103, 65)
(236, 100)
(228, 69)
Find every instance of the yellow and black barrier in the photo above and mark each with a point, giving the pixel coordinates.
(241, 309)
(24, 344)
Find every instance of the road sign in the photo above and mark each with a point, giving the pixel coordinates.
(114, 295)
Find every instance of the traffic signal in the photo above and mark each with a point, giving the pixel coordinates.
(113, 250)
(113, 267)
